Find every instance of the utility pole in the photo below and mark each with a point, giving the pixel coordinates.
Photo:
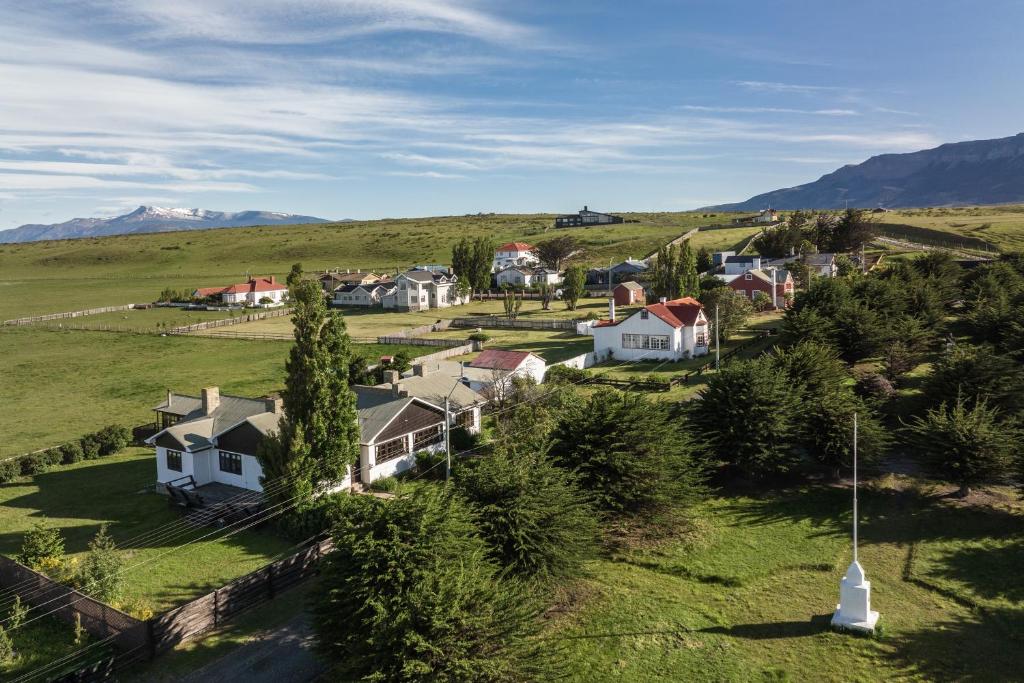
(855, 487)
(717, 355)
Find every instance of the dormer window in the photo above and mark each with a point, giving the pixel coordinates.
(645, 314)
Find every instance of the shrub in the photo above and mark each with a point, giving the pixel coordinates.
(33, 463)
(385, 485)
(41, 545)
(536, 519)
(53, 456)
(113, 438)
(90, 447)
(563, 374)
(414, 572)
(430, 465)
(71, 453)
(9, 469)
(462, 440)
(100, 575)
(874, 386)
(7, 653)
(479, 337)
(16, 616)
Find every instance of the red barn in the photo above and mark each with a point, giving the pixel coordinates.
(628, 293)
(753, 281)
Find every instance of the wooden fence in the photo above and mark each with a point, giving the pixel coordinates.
(419, 341)
(226, 322)
(518, 324)
(69, 314)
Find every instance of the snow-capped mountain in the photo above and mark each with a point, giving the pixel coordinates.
(151, 219)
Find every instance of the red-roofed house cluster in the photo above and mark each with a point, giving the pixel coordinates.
(255, 290)
(668, 330)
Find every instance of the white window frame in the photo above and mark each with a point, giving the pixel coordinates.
(657, 342)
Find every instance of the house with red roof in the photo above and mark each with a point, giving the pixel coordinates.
(667, 330)
(514, 254)
(255, 290)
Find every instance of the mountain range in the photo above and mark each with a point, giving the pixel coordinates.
(954, 174)
(151, 219)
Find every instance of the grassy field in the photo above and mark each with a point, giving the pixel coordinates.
(72, 382)
(48, 277)
(78, 498)
(552, 346)
(37, 644)
(748, 592)
(999, 225)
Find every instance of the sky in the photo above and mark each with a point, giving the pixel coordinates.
(397, 108)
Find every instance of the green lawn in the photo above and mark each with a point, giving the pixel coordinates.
(552, 346)
(748, 594)
(145, 319)
(117, 489)
(72, 382)
(999, 225)
(37, 644)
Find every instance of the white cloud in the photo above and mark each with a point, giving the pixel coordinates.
(772, 110)
(772, 86)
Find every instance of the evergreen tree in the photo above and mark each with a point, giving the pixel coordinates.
(481, 263)
(976, 374)
(689, 276)
(555, 252)
(573, 286)
(410, 594)
(533, 515)
(41, 545)
(705, 262)
(101, 572)
(965, 442)
(859, 332)
(462, 265)
(806, 325)
(853, 229)
(628, 452)
(319, 435)
(7, 652)
(294, 275)
(747, 418)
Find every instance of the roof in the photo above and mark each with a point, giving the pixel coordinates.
(345, 289)
(642, 265)
(195, 430)
(741, 259)
(179, 404)
(433, 387)
(425, 276)
(378, 407)
(819, 259)
(677, 312)
(765, 275)
(515, 246)
(357, 276)
(635, 286)
(498, 359)
(521, 269)
(253, 284)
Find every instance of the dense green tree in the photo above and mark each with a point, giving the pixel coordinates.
(573, 286)
(534, 516)
(410, 594)
(806, 325)
(481, 263)
(747, 418)
(556, 251)
(41, 545)
(977, 373)
(101, 574)
(664, 273)
(294, 275)
(689, 275)
(320, 431)
(628, 452)
(814, 368)
(859, 332)
(462, 261)
(853, 229)
(965, 441)
(734, 310)
(704, 260)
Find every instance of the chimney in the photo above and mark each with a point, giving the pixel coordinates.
(211, 399)
(170, 395)
(274, 404)
(662, 300)
(611, 308)
(391, 376)
(584, 207)
(420, 370)
(398, 391)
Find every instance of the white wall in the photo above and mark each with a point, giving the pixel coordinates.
(371, 471)
(580, 362)
(610, 339)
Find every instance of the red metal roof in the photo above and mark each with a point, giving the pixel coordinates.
(678, 312)
(496, 359)
(255, 284)
(515, 246)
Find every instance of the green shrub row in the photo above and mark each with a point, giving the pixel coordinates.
(106, 441)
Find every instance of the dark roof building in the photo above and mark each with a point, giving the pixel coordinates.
(586, 217)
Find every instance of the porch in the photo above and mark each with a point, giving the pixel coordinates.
(214, 503)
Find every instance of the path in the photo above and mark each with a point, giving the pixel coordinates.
(283, 654)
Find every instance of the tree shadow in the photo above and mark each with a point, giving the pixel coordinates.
(990, 572)
(775, 630)
(984, 647)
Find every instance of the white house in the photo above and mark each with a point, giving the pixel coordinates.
(514, 254)
(251, 292)
(547, 276)
(737, 265)
(492, 371)
(668, 330)
(767, 216)
(419, 290)
(514, 276)
(362, 295)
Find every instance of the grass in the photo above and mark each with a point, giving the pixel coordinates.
(78, 498)
(552, 346)
(68, 383)
(1002, 226)
(748, 592)
(53, 276)
(146, 319)
(36, 645)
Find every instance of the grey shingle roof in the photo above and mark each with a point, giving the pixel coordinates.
(434, 386)
(196, 429)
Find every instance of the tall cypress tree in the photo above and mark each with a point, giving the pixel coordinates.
(689, 277)
(319, 434)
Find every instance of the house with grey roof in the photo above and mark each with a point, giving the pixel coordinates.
(214, 439)
(421, 289)
(365, 295)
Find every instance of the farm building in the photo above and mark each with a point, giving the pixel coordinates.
(586, 217)
(628, 293)
(668, 330)
(250, 293)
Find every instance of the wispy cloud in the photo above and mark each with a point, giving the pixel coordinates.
(771, 110)
(772, 86)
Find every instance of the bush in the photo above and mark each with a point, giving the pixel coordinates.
(414, 572)
(9, 469)
(113, 438)
(430, 465)
(71, 453)
(90, 447)
(462, 440)
(479, 337)
(874, 386)
(101, 575)
(33, 463)
(53, 456)
(7, 653)
(563, 374)
(41, 545)
(385, 485)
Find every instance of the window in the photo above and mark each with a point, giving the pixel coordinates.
(632, 341)
(428, 437)
(389, 450)
(166, 420)
(174, 460)
(465, 419)
(230, 462)
(702, 339)
(645, 314)
(748, 276)
(656, 342)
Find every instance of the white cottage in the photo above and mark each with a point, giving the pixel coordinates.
(419, 290)
(668, 330)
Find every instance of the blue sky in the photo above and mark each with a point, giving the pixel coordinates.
(388, 108)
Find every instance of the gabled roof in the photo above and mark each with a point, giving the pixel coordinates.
(433, 387)
(635, 286)
(378, 407)
(634, 263)
(498, 359)
(196, 430)
(515, 246)
(677, 312)
(254, 284)
(521, 269)
(741, 259)
(345, 289)
(820, 259)
(427, 276)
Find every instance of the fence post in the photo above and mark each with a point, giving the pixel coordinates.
(216, 606)
(270, 580)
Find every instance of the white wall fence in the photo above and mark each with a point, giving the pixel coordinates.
(439, 326)
(69, 314)
(580, 362)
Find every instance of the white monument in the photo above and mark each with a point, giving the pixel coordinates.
(854, 609)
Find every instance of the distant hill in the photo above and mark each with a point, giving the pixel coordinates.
(954, 174)
(152, 219)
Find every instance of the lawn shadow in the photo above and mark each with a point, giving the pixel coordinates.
(774, 630)
(989, 572)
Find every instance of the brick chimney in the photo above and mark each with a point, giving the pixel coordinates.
(273, 280)
(420, 370)
(391, 376)
(398, 391)
(211, 399)
(274, 404)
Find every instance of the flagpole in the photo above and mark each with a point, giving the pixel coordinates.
(855, 487)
